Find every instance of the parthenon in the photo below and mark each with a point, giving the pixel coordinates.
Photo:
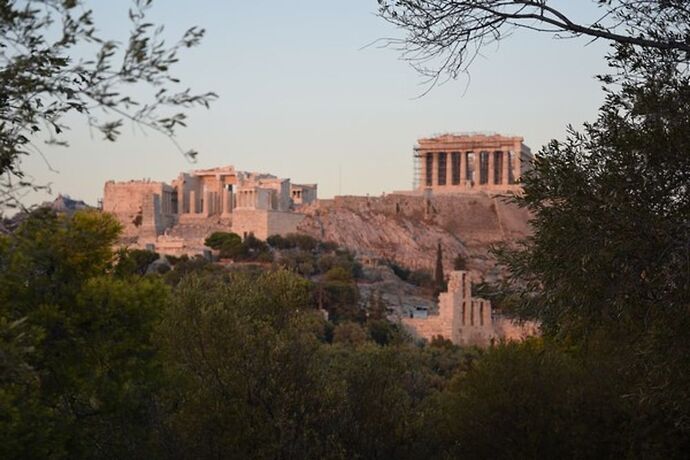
(466, 162)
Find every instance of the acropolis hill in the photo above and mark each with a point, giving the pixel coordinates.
(456, 200)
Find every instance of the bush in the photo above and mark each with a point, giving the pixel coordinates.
(298, 261)
(349, 333)
(328, 246)
(223, 240)
(304, 242)
(341, 300)
(134, 261)
(382, 332)
(339, 274)
(277, 242)
(399, 271)
(421, 278)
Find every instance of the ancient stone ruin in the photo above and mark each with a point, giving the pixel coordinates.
(466, 162)
(175, 218)
(467, 320)
(457, 199)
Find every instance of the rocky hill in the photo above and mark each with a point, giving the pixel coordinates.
(407, 228)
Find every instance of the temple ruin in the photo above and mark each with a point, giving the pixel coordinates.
(467, 320)
(165, 215)
(470, 162)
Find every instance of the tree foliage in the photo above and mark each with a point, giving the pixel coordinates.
(78, 361)
(607, 266)
(55, 64)
(444, 37)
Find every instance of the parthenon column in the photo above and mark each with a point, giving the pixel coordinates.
(517, 159)
(506, 167)
(434, 169)
(477, 168)
(516, 165)
(449, 169)
(492, 166)
(463, 168)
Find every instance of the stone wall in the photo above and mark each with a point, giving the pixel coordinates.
(264, 223)
(134, 205)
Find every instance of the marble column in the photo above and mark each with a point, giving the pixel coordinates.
(492, 167)
(517, 159)
(206, 201)
(463, 168)
(449, 169)
(477, 168)
(227, 202)
(192, 202)
(434, 169)
(506, 167)
(516, 165)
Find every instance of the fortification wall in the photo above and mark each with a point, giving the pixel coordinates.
(264, 223)
(129, 201)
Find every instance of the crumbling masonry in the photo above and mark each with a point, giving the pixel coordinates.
(212, 199)
(467, 320)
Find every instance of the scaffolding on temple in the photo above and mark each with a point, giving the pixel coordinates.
(416, 168)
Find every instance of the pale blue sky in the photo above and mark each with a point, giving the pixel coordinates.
(300, 98)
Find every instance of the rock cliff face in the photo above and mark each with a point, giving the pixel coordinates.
(407, 228)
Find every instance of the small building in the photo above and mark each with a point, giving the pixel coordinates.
(302, 194)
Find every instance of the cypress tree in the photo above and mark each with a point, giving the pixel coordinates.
(439, 277)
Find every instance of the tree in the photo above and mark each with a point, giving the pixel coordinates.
(229, 244)
(244, 356)
(350, 334)
(134, 261)
(606, 269)
(223, 240)
(376, 306)
(79, 340)
(43, 80)
(439, 277)
(445, 36)
(530, 400)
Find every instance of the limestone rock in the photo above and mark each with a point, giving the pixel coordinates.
(407, 228)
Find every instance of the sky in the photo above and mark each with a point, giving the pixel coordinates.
(302, 96)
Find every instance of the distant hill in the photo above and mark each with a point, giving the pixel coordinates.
(62, 204)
